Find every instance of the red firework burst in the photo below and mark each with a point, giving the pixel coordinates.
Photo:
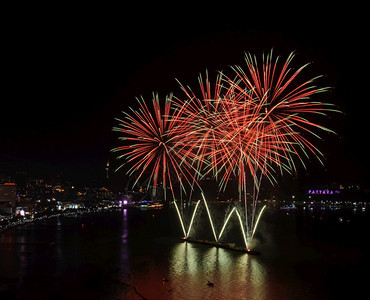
(150, 137)
(249, 123)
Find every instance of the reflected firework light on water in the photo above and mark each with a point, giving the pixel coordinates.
(254, 123)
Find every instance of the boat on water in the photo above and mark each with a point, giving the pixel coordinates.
(230, 246)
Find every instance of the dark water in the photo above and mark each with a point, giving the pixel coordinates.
(126, 254)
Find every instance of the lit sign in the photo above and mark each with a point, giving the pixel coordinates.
(323, 192)
(9, 183)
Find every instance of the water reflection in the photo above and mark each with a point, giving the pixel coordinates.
(124, 258)
(235, 274)
(178, 261)
(117, 254)
(124, 226)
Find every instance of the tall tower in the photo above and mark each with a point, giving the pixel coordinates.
(107, 169)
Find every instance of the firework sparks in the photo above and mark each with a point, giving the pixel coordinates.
(149, 139)
(251, 124)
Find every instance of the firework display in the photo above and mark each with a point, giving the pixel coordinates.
(253, 123)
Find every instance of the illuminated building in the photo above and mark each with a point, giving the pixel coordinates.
(8, 197)
(349, 195)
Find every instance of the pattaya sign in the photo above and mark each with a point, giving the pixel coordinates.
(323, 192)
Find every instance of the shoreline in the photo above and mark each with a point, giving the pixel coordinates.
(4, 228)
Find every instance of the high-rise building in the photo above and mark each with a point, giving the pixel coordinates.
(8, 197)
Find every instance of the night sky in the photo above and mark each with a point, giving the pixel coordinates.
(67, 72)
